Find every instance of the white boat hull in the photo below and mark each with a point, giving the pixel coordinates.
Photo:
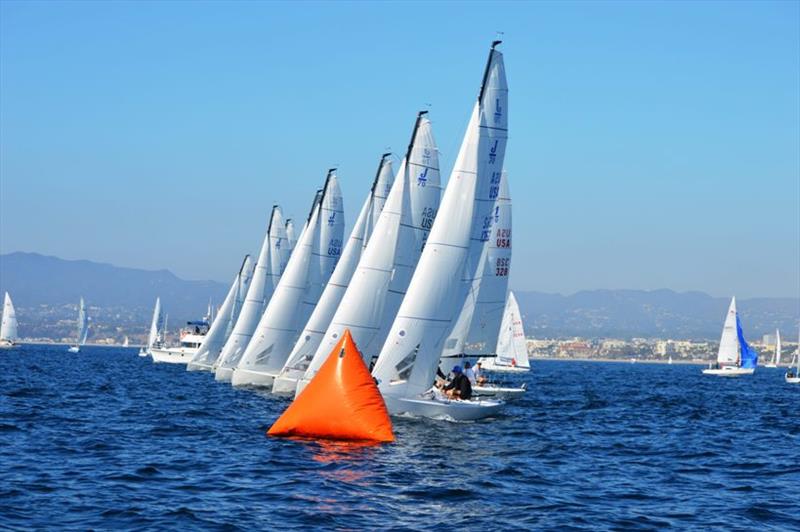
(728, 371)
(505, 369)
(770, 366)
(74, 349)
(286, 384)
(454, 410)
(199, 366)
(498, 392)
(246, 377)
(173, 355)
(5, 344)
(301, 385)
(222, 374)
(792, 380)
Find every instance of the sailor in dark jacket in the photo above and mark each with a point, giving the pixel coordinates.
(459, 387)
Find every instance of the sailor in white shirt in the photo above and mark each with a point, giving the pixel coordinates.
(470, 373)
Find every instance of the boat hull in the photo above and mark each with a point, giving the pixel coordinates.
(498, 392)
(174, 355)
(246, 377)
(223, 374)
(728, 371)
(74, 349)
(442, 408)
(199, 366)
(5, 344)
(505, 369)
(286, 384)
(791, 380)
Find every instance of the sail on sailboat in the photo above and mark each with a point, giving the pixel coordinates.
(209, 350)
(735, 357)
(314, 330)
(155, 327)
(83, 328)
(8, 326)
(776, 357)
(512, 349)
(384, 270)
(310, 266)
(269, 267)
(407, 364)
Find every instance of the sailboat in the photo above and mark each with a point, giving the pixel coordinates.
(8, 326)
(377, 287)
(125, 342)
(155, 327)
(512, 349)
(735, 356)
(222, 325)
(310, 266)
(793, 375)
(270, 264)
(307, 344)
(776, 357)
(670, 360)
(83, 329)
(408, 362)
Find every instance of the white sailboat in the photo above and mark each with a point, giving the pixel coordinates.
(126, 342)
(776, 357)
(83, 329)
(271, 262)
(380, 281)
(221, 327)
(735, 357)
(512, 349)
(310, 266)
(314, 330)
(155, 327)
(793, 374)
(8, 326)
(407, 364)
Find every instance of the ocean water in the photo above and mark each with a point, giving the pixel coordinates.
(107, 440)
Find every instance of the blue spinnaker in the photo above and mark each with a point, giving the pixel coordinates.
(749, 355)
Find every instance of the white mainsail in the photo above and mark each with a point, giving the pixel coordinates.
(777, 347)
(407, 364)
(331, 297)
(728, 354)
(83, 324)
(381, 278)
(155, 325)
(8, 327)
(267, 272)
(476, 330)
(289, 307)
(291, 238)
(217, 334)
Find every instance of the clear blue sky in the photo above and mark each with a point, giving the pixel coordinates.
(651, 144)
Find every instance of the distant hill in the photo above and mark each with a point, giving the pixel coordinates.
(34, 280)
(651, 313)
(46, 290)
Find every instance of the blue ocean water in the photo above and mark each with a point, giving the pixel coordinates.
(105, 439)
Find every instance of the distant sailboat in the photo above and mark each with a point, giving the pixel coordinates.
(83, 328)
(776, 357)
(793, 374)
(735, 356)
(512, 349)
(155, 327)
(8, 327)
(670, 360)
(125, 342)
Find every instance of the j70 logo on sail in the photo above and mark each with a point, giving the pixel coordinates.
(498, 110)
(422, 180)
(493, 152)
(332, 219)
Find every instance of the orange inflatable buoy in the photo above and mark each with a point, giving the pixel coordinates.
(341, 402)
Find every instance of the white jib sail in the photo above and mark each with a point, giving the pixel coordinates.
(478, 325)
(265, 277)
(728, 354)
(777, 347)
(279, 325)
(215, 339)
(83, 324)
(512, 349)
(407, 363)
(8, 327)
(155, 324)
(317, 324)
(384, 271)
(291, 238)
